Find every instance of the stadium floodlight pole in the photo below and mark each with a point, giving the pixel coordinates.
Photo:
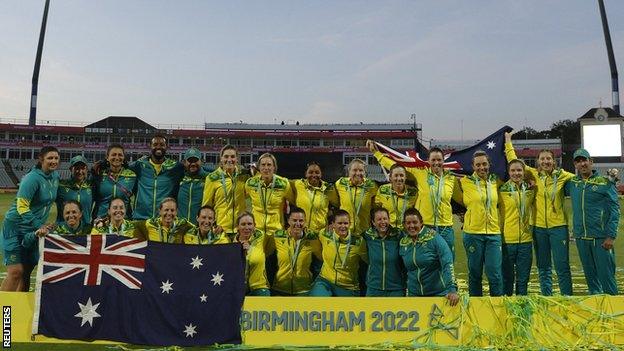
(413, 117)
(32, 120)
(615, 91)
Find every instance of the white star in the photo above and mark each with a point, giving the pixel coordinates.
(87, 312)
(166, 287)
(196, 262)
(189, 330)
(491, 144)
(203, 298)
(217, 278)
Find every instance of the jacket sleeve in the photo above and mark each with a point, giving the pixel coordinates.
(27, 190)
(30, 240)
(510, 154)
(612, 206)
(446, 263)
(209, 192)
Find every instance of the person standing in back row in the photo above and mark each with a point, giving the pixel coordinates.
(596, 213)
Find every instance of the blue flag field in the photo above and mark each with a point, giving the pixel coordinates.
(108, 287)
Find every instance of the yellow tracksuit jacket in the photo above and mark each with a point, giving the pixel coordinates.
(357, 200)
(255, 270)
(481, 200)
(434, 200)
(549, 197)
(294, 258)
(267, 202)
(516, 205)
(315, 202)
(394, 203)
(341, 259)
(226, 194)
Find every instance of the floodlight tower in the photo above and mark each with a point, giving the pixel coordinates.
(32, 120)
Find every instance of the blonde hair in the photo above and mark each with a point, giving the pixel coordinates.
(269, 155)
(167, 199)
(354, 161)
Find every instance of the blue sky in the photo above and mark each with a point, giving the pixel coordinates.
(488, 63)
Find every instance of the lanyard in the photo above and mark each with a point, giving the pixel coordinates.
(520, 200)
(343, 262)
(488, 197)
(123, 189)
(435, 194)
(263, 197)
(295, 254)
(121, 230)
(553, 190)
(354, 203)
(311, 197)
(170, 235)
(228, 195)
(395, 204)
(210, 238)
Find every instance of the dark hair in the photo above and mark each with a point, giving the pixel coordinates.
(159, 136)
(43, 152)
(330, 217)
(72, 202)
(115, 146)
(295, 209)
(312, 163)
(374, 211)
(340, 213)
(116, 198)
(436, 149)
(205, 207)
(412, 212)
(397, 166)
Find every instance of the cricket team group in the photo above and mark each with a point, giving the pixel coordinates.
(308, 237)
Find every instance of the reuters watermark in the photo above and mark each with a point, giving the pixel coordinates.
(6, 327)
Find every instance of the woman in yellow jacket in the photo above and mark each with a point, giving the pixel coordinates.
(225, 190)
(436, 187)
(206, 232)
(314, 195)
(516, 205)
(342, 253)
(115, 222)
(482, 234)
(296, 247)
(254, 244)
(396, 197)
(551, 230)
(356, 193)
(268, 193)
(167, 227)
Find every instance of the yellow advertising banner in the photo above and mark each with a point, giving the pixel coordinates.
(532, 322)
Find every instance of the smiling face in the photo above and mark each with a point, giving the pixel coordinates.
(115, 157)
(357, 172)
(413, 225)
(516, 172)
(397, 178)
(381, 221)
(296, 222)
(481, 166)
(341, 225)
(313, 175)
(245, 227)
(436, 161)
(546, 161)
(158, 146)
(79, 172)
(584, 166)
(266, 167)
(117, 210)
(72, 214)
(206, 220)
(168, 211)
(229, 160)
(49, 161)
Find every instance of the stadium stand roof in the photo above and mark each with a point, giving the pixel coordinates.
(314, 127)
(591, 113)
(123, 122)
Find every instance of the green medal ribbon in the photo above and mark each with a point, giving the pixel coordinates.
(263, 197)
(435, 195)
(356, 206)
(343, 262)
(395, 204)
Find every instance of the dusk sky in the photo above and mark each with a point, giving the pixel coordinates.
(488, 63)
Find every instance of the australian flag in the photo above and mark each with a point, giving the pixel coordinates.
(459, 161)
(109, 287)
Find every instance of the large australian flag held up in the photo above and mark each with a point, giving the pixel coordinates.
(109, 287)
(493, 145)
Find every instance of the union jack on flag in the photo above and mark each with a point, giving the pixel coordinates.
(122, 260)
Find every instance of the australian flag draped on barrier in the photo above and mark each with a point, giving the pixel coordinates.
(459, 161)
(110, 287)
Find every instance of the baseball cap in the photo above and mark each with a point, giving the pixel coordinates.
(581, 153)
(192, 153)
(77, 159)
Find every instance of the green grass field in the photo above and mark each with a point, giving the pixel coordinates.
(580, 288)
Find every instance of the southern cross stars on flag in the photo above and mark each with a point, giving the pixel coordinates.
(138, 292)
